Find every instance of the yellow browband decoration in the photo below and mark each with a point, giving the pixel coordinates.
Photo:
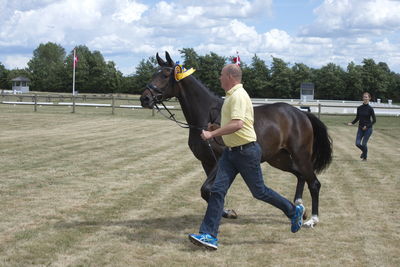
(182, 73)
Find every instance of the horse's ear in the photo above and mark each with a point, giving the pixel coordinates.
(169, 60)
(160, 61)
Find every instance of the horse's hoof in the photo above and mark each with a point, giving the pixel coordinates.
(229, 214)
(311, 222)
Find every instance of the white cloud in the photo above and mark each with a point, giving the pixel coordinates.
(277, 40)
(237, 8)
(355, 17)
(109, 43)
(130, 30)
(50, 23)
(13, 62)
(233, 32)
(129, 11)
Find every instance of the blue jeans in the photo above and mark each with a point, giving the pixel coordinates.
(247, 163)
(362, 140)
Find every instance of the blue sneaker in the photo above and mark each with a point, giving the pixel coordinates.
(204, 240)
(297, 220)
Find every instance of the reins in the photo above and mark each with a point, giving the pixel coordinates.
(171, 116)
(185, 125)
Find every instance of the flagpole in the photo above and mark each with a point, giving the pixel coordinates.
(73, 76)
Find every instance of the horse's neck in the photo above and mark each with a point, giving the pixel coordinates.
(196, 101)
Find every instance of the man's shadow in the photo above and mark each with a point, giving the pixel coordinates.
(168, 229)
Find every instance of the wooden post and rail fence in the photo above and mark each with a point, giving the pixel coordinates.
(125, 101)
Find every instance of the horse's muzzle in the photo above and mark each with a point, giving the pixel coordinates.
(146, 101)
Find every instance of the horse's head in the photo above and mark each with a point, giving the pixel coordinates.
(163, 84)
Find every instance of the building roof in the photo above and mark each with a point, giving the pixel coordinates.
(20, 79)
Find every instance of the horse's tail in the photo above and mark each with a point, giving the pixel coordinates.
(322, 147)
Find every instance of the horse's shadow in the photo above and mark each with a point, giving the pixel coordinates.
(169, 229)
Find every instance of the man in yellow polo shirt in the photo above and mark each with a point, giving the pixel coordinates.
(241, 155)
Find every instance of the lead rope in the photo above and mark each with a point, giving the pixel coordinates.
(184, 125)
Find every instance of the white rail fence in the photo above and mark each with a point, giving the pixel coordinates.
(116, 101)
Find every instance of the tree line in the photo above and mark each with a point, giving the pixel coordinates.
(50, 70)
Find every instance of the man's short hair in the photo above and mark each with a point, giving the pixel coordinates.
(235, 71)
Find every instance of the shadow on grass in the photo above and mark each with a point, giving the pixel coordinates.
(169, 229)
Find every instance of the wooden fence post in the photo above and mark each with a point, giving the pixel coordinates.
(73, 104)
(319, 110)
(35, 100)
(112, 104)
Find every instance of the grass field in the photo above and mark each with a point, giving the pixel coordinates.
(92, 189)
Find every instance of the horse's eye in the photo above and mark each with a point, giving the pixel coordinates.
(165, 76)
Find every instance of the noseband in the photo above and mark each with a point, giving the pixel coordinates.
(157, 93)
(158, 99)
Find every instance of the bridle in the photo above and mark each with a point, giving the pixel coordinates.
(158, 99)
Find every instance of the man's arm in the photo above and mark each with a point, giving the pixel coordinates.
(231, 127)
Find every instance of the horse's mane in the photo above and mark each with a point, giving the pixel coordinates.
(218, 98)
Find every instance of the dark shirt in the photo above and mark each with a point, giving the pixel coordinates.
(364, 114)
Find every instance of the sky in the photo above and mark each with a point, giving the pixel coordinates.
(313, 32)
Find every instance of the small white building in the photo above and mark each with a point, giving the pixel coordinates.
(20, 85)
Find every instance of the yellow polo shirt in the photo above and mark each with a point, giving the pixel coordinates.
(237, 105)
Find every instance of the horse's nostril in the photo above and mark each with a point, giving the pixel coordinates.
(145, 101)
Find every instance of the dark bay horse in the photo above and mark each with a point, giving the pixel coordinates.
(291, 140)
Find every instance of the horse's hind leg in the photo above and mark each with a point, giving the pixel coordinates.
(206, 189)
(314, 187)
(283, 161)
(305, 173)
(298, 196)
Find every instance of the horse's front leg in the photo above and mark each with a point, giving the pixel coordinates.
(206, 189)
(304, 172)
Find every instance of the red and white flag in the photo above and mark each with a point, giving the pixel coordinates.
(237, 59)
(75, 58)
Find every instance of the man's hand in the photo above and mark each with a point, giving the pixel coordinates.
(205, 135)
(364, 128)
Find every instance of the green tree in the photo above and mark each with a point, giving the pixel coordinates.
(300, 74)
(92, 73)
(394, 90)
(47, 67)
(330, 82)
(376, 78)
(210, 67)
(97, 73)
(190, 58)
(256, 78)
(354, 82)
(113, 77)
(280, 79)
(3, 77)
(127, 85)
(144, 72)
